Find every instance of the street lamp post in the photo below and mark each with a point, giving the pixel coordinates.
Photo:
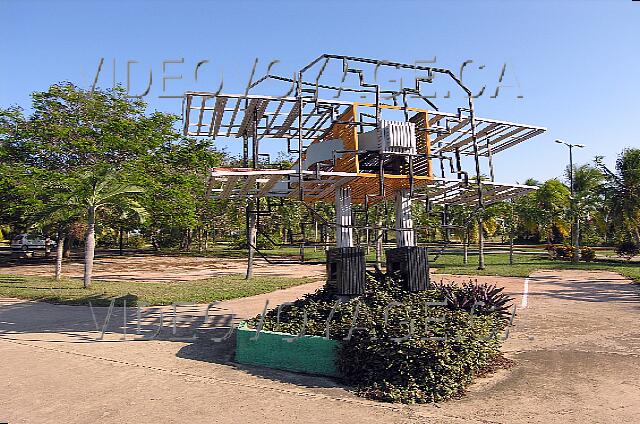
(575, 221)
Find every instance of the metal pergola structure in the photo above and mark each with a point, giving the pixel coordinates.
(228, 115)
(311, 113)
(249, 183)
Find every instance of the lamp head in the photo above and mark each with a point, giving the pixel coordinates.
(579, 145)
(559, 141)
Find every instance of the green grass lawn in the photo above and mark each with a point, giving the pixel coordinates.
(70, 291)
(498, 264)
(452, 263)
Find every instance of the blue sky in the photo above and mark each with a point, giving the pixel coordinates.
(574, 63)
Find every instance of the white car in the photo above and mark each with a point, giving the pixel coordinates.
(26, 242)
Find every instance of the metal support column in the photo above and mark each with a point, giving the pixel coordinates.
(344, 230)
(251, 239)
(405, 235)
(474, 138)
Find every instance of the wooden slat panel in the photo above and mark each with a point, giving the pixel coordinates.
(218, 113)
(273, 180)
(293, 115)
(229, 186)
(249, 184)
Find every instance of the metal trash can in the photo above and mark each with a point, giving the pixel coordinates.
(346, 270)
(412, 263)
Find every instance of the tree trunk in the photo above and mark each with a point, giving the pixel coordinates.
(315, 234)
(324, 237)
(154, 243)
(47, 247)
(189, 239)
(66, 253)
(480, 243)
(59, 253)
(576, 241)
(550, 248)
(465, 247)
(251, 242)
(120, 241)
(89, 245)
(511, 246)
(379, 247)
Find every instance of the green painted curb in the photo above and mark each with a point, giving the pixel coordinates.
(308, 354)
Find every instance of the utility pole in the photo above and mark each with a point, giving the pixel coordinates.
(575, 219)
(511, 231)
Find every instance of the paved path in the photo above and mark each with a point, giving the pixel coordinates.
(166, 268)
(576, 347)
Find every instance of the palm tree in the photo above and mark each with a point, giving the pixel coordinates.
(551, 202)
(93, 192)
(587, 181)
(623, 191)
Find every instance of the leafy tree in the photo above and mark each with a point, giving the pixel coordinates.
(75, 130)
(93, 192)
(175, 178)
(18, 186)
(70, 139)
(587, 198)
(622, 189)
(549, 207)
(59, 218)
(527, 214)
(628, 249)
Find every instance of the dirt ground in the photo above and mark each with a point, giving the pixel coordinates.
(575, 343)
(165, 268)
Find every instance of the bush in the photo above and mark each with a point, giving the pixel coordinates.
(407, 357)
(628, 249)
(564, 252)
(587, 254)
(482, 298)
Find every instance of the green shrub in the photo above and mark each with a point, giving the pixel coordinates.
(587, 254)
(564, 252)
(628, 249)
(481, 298)
(406, 351)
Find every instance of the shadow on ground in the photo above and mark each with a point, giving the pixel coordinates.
(223, 353)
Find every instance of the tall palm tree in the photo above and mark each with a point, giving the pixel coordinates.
(587, 196)
(95, 191)
(551, 201)
(623, 191)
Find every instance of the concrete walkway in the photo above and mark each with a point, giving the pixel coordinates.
(576, 347)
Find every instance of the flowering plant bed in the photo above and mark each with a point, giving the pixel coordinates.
(391, 344)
